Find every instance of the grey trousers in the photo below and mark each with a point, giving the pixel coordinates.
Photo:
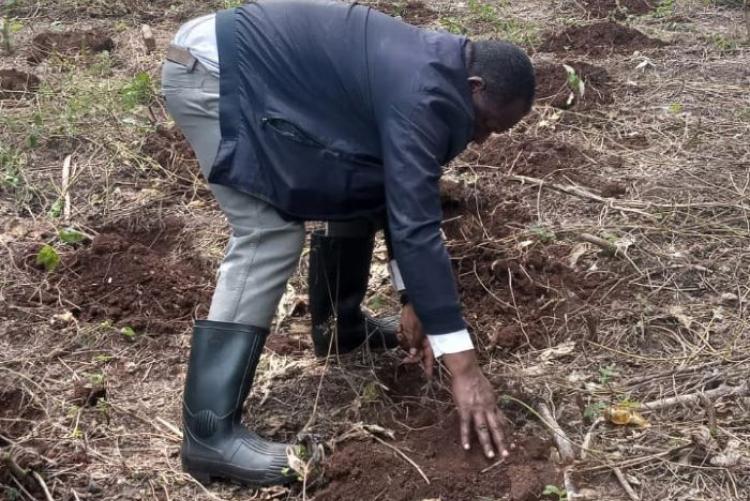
(264, 248)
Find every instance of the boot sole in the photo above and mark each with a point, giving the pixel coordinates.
(207, 473)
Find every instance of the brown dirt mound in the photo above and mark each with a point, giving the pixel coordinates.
(548, 159)
(169, 148)
(17, 84)
(428, 434)
(598, 39)
(68, 43)
(533, 285)
(552, 85)
(133, 277)
(619, 8)
(416, 13)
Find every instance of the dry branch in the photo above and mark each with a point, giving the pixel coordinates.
(564, 445)
(696, 398)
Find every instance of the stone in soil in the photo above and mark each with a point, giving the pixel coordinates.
(68, 43)
(552, 85)
(598, 39)
(16, 84)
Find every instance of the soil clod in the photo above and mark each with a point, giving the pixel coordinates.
(68, 43)
(598, 39)
(16, 84)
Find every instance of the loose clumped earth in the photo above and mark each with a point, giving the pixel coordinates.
(598, 39)
(599, 247)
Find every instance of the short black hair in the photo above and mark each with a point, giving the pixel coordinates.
(506, 70)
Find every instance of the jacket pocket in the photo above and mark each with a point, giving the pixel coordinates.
(313, 179)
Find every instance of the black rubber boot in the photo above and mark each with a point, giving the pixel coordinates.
(339, 271)
(215, 445)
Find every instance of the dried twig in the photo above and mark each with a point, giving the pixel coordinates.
(625, 484)
(695, 398)
(43, 485)
(564, 445)
(400, 453)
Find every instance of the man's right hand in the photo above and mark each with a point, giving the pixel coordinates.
(477, 407)
(414, 341)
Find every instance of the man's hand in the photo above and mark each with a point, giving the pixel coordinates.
(414, 341)
(475, 400)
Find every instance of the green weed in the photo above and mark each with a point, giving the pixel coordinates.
(139, 91)
(128, 333)
(48, 257)
(11, 167)
(553, 490)
(664, 9)
(593, 411)
(606, 374)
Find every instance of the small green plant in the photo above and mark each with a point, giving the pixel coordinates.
(664, 9)
(675, 108)
(8, 27)
(102, 359)
(128, 333)
(96, 378)
(48, 257)
(593, 411)
(606, 374)
(11, 162)
(139, 91)
(231, 4)
(71, 236)
(454, 25)
(543, 234)
(724, 44)
(553, 490)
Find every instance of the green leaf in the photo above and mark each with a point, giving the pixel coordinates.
(574, 81)
(71, 236)
(48, 257)
(138, 91)
(128, 332)
(56, 210)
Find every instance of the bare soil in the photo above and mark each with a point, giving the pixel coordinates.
(15, 84)
(120, 278)
(428, 434)
(68, 43)
(618, 8)
(598, 39)
(552, 86)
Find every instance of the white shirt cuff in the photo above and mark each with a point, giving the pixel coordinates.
(453, 342)
(396, 279)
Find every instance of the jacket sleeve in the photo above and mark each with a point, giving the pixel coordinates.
(415, 142)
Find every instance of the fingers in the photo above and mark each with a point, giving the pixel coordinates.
(465, 420)
(480, 425)
(496, 430)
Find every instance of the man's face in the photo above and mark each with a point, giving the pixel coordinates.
(490, 118)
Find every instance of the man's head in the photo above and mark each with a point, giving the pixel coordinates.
(502, 83)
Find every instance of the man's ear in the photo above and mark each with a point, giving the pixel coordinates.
(477, 84)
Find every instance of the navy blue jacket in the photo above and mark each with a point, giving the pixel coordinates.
(335, 111)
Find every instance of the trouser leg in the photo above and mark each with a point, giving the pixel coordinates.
(262, 253)
(264, 249)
